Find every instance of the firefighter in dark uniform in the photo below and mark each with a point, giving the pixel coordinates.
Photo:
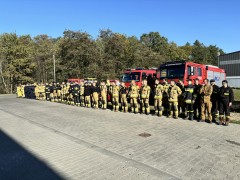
(51, 92)
(165, 102)
(214, 99)
(197, 103)
(95, 90)
(82, 87)
(225, 102)
(76, 94)
(47, 91)
(87, 94)
(123, 97)
(181, 103)
(70, 91)
(58, 90)
(189, 99)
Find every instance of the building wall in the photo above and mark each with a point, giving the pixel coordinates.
(231, 63)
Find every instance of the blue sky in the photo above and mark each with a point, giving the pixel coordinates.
(215, 22)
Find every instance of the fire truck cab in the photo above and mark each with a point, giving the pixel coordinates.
(189, 70)
(76, 80)
(138, 74)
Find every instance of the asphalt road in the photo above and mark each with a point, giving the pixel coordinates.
(44, 140)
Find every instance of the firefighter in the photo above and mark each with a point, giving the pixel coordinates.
(47, 91)
(51, 91)
(165, 102)
(58, 90)
(19, 91)
(206, 104)
(134, 94)
(36, 90)
(144, 97)
(54, 92)
(76, 95)
(41, 91)
(173, 92)
(189, 99)
(63, 92)
(225, 102)
(197, 103)
(181, 103)
(214, 100)
(158, 92)
(123, 97)
(87, 93)
(115, 96)
(82, 87)
(67, 95)
(71, 93)
(95, 95)
(103, 91)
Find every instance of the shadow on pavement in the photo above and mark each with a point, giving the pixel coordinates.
(18, 163)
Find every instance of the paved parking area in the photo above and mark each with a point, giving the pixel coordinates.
(67, 142)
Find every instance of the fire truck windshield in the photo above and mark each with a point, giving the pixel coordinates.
(131, 76)
(171, 72)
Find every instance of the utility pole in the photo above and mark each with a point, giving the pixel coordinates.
(54, 68)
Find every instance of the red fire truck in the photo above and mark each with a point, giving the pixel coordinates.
(138, 74)
(189, 70)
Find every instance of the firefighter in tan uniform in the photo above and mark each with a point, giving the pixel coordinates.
(63, 92)
(82, 104)
(36, 91)
(103, 91)
(206, 104)
(144, 96)
(20, 91)
(134, 95)
(67, 88)
(173, 92)
(115, 96)
(41, 91)
(158, 92)
(123, 97)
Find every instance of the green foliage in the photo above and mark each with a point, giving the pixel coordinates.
(26, 60)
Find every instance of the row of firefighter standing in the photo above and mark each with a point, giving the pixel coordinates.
(193, 101)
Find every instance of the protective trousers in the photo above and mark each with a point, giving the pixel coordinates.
(47, 96)
(197, 109)
(206, 107)
(82, 100)
(189, 108)
(173, 109)
(124, 103)
(104, 101)
(158, 106)
(224, 109)
(115, 101)
(95, 100)
(214, 110)
(87, 101)
(145, 105)
(76, 99)
(134, 104)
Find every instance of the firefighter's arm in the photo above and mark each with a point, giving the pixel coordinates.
(179, 91)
